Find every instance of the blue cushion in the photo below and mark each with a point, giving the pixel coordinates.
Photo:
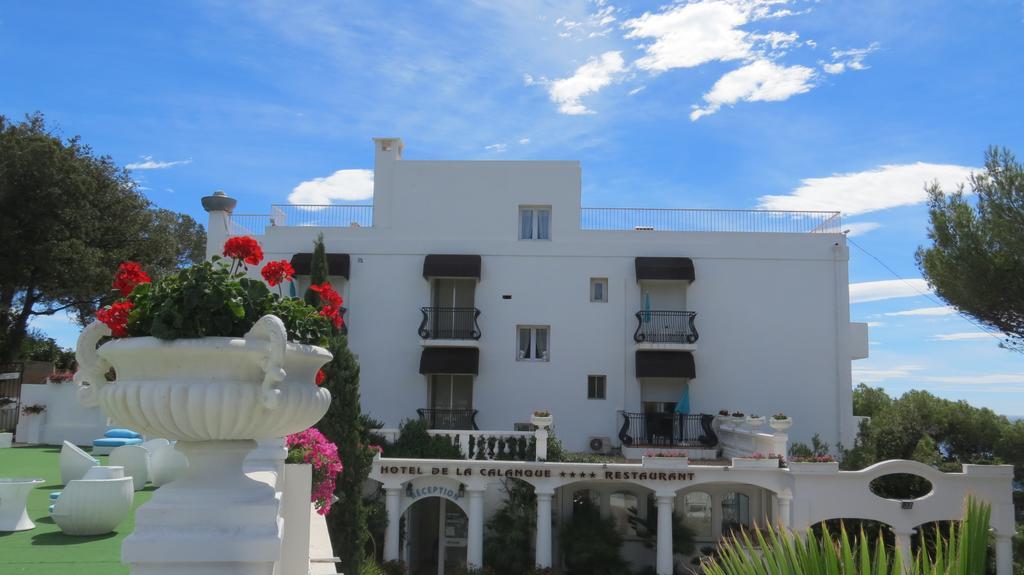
(115, 441)
(54, 495)
(51, 509)
(127, 433)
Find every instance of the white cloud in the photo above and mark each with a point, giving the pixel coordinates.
(876, 375)
(981, 379)
(691, 34)
(758, 81)
(496, 148)
(925, 311)
(588, 79)
(345, 185)
(876, 323)
(885, 187)
(148, 163)
(528, 80)
(861, 228)
(636, 91)
(524, 141)
(853, 59)
(886, 289)
(962, 336)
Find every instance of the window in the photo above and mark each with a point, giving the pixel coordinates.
(697, 513)
(596, 386)
(533, 343)
(599, 290)
(623, 507)
(451, 391)
(535, 223)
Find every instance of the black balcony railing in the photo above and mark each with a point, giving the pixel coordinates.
(665, 327)
(667, 430)
(450, 323)
(449, 418)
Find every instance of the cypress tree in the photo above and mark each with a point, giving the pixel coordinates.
(317, 271)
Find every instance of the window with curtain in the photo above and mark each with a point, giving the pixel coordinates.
(535, 223)
(599, 290)
(533, 343)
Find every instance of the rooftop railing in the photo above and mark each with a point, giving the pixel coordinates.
(591, 219)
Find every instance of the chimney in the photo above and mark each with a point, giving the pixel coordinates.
(219, 207)
(387, 151)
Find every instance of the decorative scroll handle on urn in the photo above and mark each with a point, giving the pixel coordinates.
(92, 369)
(271, 329)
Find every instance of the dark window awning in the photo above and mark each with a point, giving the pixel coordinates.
(337, 264)
(665, 364)
(458, 360)
(664, 269)
(451, 266)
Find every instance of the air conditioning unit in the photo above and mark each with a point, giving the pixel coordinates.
(600, 444)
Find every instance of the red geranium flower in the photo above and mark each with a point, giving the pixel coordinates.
(129, 275)
(116, 317)
(320, 377)
(244, 248)
(331, 302)
(277, 272)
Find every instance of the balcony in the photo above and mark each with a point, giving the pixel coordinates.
(449, 418)
(667, 430)
(450, 323)
(675, 328)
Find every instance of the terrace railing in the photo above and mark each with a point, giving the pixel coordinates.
(655, 326)
(324, 216)
(449, 323)
(448, 418)
(667, 430)
(705, 220)
(249, 224)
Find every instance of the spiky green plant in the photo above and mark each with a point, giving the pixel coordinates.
(777, 551)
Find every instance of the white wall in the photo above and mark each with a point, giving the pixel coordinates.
(65, 418)
(772, 309)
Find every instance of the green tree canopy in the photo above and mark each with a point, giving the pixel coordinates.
(67, 218)
(976, 260)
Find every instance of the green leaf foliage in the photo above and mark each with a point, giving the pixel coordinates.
(976, 260)
(317, 271)
(591, 544)
(508, 544)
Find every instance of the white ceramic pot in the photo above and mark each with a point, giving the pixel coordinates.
(755, 422)
(32, 428)
(6, 438)
(215, 396)
(780, 424)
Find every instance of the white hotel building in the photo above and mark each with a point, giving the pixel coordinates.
(481, 291)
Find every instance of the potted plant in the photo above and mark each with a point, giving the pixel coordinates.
(6, 438)
(780, 422)
(738, 417)
(755, 421)
(32, 426)
(666, 459)
(813, 464)
(757, 460)
(214, 360)
(541, 418)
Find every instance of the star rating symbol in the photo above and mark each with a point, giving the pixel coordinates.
(592, 475)
(562, 474)
(572, 474)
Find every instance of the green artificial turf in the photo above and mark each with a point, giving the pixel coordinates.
(45, 550)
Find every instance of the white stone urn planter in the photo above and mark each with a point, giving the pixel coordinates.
(542, 420)
(752, 463)
(665, 462)
(6, 439)
(780, 424)
(215, 396)
(814, 468)
(755, 421)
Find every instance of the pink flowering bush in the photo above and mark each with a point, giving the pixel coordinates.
(666, 454)
(813, 459)
(310, 446)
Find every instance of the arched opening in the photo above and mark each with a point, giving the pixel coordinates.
(437, 531)
(900, 486)
(697, 514)
(855, 526)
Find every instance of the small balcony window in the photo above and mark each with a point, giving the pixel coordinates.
(596, 385)
(535, 222)
(533, 343)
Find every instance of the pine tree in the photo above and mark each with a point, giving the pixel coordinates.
(317, 271)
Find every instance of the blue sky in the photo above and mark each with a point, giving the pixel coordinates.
(709, 103)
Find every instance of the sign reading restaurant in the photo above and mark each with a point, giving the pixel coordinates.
(536, 473)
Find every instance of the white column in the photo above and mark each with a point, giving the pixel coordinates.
(542, 443)
(1004, 554)
(784, 515)
(903, 545)
(393, 504)
(664, 547)
(543, 558)
(475, 542)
